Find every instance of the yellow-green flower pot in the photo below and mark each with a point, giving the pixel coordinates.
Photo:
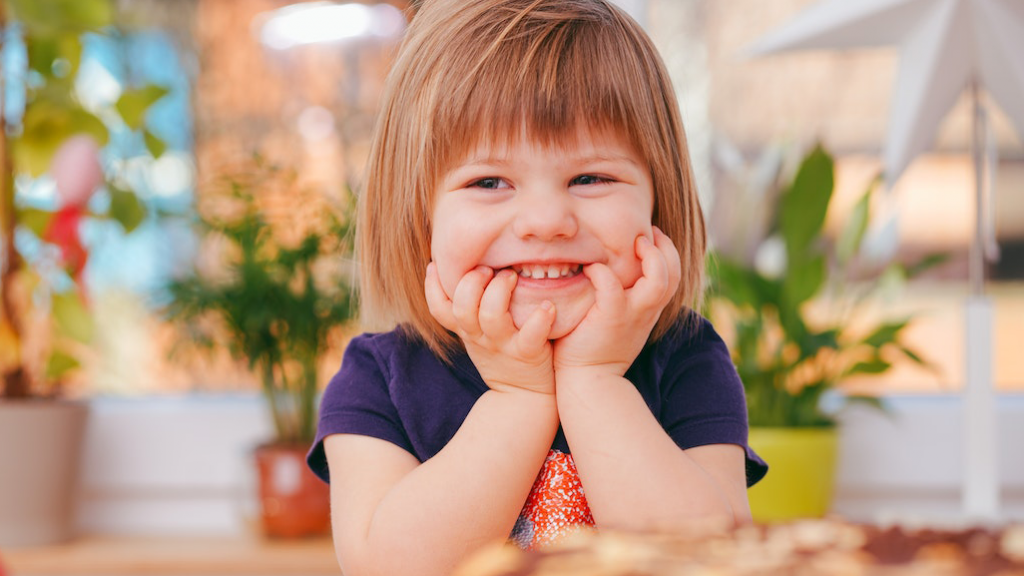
(801, 476)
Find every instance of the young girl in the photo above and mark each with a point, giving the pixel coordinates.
(531, 227)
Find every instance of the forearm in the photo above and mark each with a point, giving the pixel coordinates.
(467, 495)
(634, 474)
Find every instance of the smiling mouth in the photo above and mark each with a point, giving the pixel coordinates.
(541, 271)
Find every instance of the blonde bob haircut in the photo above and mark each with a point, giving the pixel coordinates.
(485, 70)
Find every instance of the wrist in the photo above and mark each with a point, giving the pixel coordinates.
(520, 394)
(589, 372)
(541, 386)
(588, 377)
(538, 379)
(521, 405)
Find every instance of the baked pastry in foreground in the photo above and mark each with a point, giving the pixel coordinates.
(803, 548)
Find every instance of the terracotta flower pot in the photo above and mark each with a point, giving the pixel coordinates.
(293, 502)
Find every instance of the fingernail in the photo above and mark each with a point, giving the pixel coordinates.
(547, 306)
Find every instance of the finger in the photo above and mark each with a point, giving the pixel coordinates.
(668, 248)
(607, 288)
(533, 336)
(652, 285)
(495, 318)
(661, 271)
(438, 304)
(466, 300)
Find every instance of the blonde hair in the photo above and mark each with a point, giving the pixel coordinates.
(485, 69)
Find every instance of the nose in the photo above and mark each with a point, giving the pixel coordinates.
(544, 214)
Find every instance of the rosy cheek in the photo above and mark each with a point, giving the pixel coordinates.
(446, 269)
(630, 277)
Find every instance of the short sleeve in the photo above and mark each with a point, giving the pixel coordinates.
(357, 401)
(703, 399)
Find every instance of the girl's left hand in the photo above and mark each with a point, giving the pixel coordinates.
(617, 326)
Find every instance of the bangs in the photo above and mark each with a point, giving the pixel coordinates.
(548, 76)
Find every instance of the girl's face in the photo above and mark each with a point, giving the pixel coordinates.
(544, 212)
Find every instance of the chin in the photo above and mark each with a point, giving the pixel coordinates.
(563, 328)
(568, 315)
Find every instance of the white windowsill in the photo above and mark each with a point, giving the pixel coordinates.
(180, 465)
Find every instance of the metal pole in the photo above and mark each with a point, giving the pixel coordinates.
(976, 260)
(980, 496)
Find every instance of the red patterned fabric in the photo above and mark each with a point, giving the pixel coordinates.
(556, 505)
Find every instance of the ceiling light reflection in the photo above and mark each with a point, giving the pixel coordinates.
(317, 22)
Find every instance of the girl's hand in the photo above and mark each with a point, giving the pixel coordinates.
(506, 357)
(613, 332)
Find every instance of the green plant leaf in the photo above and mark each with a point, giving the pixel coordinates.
(914, 356)
(814, 342)
(926, 263)
(46, 53)
(876, 366)
(792, 322)
(734, 282)
(50, 17)
(134, 102)
(126, 208)
(154, 144)
(804, 205)
(886, 333)
(802, 282)
(72, 319)
(871, 401)
(59, 364)
(35, 220)
(45, 126)
(852, 234)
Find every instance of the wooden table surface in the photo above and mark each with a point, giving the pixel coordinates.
(174, 556)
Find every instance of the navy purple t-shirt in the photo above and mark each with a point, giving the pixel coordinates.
(392, 387)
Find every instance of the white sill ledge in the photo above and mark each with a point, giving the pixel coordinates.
(180, 465)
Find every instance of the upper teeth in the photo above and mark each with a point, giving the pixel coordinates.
(549, 271)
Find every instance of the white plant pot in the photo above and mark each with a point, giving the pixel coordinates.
(40, 453)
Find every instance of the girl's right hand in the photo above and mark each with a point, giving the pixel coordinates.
(506, 357)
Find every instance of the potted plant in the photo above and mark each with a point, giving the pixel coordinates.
(797, 331)
(274, 303)
(45, 323)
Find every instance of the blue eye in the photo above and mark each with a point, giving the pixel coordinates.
(587, 180)
(491, 183)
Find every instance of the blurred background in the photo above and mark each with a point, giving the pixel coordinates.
(200, 111)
